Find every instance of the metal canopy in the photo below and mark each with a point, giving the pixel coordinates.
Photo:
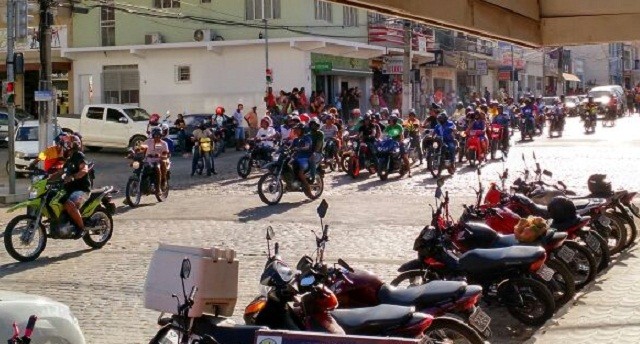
(533, 23)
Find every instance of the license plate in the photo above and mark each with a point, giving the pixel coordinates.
(592, 242)
(545, 273)
(566, 254)
(605, 221)
(479, 320)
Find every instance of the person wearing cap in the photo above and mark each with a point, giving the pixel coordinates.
(431, 121)
(317, 140)
(332, 136)
(412, 125)
(395, 131)
(303, 146)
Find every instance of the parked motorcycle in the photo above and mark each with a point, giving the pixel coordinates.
(281, 178)
(143, 180)
(475, 152)
(25, 236)
(256, 156)
(363, 158)
(389, 157)
(181, 328)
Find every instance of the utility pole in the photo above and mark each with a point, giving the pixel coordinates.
(46, 109)
(407, 91)
(266, 42)
(11, 106)
(513, 74)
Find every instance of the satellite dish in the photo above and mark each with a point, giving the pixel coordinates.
(198, 35)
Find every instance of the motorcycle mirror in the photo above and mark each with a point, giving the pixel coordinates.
(534, 156)
(185, 270)
(344, 265)
(438, 192)
(547, 173)
(271, 234)
(322, 209)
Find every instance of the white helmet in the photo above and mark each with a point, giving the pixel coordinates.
(165, 129)
(395, 112)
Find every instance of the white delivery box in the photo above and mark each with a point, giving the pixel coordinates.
(214, 272)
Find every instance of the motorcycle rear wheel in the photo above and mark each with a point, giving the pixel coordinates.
(133, 193)
(618, 235)
(629, 224)
(436, 171)
(535, 297)
(317, 188)
(244, 167)
(472, 157)
(273, 186)
(164, 194)
(601, 255)
(494, 149)
(105, 234)
(449, 330)
(10, 232)
(583, 267)
(562, 285)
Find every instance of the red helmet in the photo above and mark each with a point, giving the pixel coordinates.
(154, 118)
(219, 110)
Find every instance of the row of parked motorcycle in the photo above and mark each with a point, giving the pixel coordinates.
(462, 265)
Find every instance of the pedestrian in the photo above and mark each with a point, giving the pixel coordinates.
(304, 102)
(487, 94)
(181, 125)
(237, 122)
(252, 121)
(270, 99)
(374, 100)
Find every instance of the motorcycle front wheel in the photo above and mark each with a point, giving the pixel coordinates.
(25, 240)
(99, 229)
(317, 188)
(494, 149)
(436, 165)
(449, 330)
(270, 189)
(133, 192)
(244, 167)
(583, 266)
(528, 300)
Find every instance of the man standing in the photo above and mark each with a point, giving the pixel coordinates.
(252, 121)
(487, 94)
(237, 121)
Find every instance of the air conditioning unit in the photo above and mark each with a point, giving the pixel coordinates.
(153, 38)
(206, 35)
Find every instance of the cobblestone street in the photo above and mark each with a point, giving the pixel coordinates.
(373, 225)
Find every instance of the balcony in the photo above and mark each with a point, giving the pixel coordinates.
(476, 46)
(390, 33)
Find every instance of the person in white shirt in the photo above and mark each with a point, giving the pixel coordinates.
(238, 119)
(265, 138)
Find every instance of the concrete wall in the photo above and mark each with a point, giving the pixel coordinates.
(596, 62)
(224, 79)
(131, 28)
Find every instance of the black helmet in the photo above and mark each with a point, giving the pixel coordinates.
(412, 112)
(202, 126)
(460, 105)
(298, 126)
(442, 117)
(599, 185)
(156, 132)
(366, 117)
(562, 211)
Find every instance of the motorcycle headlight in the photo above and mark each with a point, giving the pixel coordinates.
(33, 194)
(434, 145)
(247, 147)
(135, 165)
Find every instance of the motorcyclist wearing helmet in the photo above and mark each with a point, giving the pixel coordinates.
(75, 174)
(431, 121)
(265, 138)
(53, 156)
(369, 132)
(412, 125)
(395, 131)
(303, 146)
(459, 113)
(154, 121)
(158, 155)
(203, 139)
(165, 136)
(317, 139)
(504, 120)
(286, 131)
(479, 124)
(446, 131)
(591, 107)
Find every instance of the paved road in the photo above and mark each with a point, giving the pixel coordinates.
(373, 226)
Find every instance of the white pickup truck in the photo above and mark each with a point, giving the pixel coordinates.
(108, 125)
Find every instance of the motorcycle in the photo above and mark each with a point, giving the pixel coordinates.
(281, 178)
(590, 122)
(498, 140)
(556, 124)
(204, 147)
(28, 331)
(314, 307)
(25, 236)
(389, 157)
(330, 153)
(255, 156)
(475, 151)
(527, 128)
(143, 180)
(206, 329)
(540, 121)
(363, 158)
(439, 158)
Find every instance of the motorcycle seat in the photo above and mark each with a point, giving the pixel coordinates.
(480, 260)
(534, 208)
(584, 206)
(565, 225)
(510, 240)
(382, 316)
(422, 296)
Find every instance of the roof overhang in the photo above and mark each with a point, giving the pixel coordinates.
(531, 23)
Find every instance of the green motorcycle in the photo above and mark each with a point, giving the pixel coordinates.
(25, 237)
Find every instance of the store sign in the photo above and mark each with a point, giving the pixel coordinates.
(322, 67)
(443, 73)
(58, 38)
(511, 55)
(504, 74)
(393, 65)
(478, 67)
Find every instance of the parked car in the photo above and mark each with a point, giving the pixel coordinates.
(4, 122)
(26, 145)
(56, 323)
(108, 125)
(611, 97)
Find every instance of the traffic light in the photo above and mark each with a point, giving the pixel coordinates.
(22, 19)
(9, 92)
(269, 76)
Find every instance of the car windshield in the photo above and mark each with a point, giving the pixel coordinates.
(137, 114)
(27, 134)
(4, 119)
(196, 119)
(598, 94)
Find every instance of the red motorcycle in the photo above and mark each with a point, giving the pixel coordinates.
(363, 157)
(497, 140)
(475, 151)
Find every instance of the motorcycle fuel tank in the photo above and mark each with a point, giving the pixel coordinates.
(362, 292)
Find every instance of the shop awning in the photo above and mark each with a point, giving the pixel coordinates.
(532, 23)
(570, 77)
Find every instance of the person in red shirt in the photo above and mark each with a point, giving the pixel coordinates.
(53, 156)
(270, 100)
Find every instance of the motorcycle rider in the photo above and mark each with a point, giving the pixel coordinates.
(153, 122)
(158, 155)
(479, 124)
(432, 121)
(303, 146)
(446, 130)
(369, 132)
(317, 138)
(53, 156)
(459, 113)
(76, 183)
(165, 136)
(395, 131)
(558, 113)
(203, 148)
(265, 138)
(528, 111)
(504, 120)
(377, 119)
(332, 135)
(412, 125)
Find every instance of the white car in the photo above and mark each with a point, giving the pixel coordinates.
(55, 324)
(26, 145)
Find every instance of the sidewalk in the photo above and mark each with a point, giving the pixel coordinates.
(609, 312)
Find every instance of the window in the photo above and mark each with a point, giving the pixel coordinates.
(205, 1)
(323, 10)
(350, 16)
(95, 113)
(114, 115)
(183, 74)
(121, 84)
(166, 3)
(108, 24)
(262, 9)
